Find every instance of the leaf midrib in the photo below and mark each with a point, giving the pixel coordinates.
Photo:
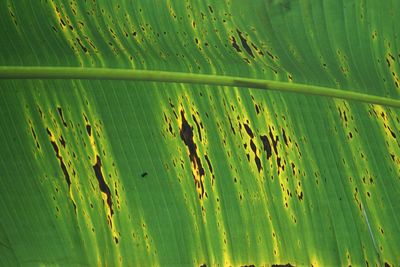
(12, 72)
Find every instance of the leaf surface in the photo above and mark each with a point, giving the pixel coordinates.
(117, 172)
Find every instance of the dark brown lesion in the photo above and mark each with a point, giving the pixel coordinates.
(60, 159)
(104, 188)
(285, 138)
(253, 146)
(60, 113)
(248, 130)
(169, 125)
(231, 125)
(34, 135)
(84, 49)
(64, 169)
(40, 112)
(235, 45)
(89, 129)
(198, 126)
(275, 139)
(173, 108)
(186, 134)
(257, 49)
(390, 130)
(87, 126)
(282, 265)
(62, 141)
(210, 168)
(245, 44)
(266, 145)
(256, 158)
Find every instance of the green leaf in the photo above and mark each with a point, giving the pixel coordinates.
(135, 133)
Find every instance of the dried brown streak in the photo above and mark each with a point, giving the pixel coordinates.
(235, 45)
(198, 127)
(186, 134)
(258, 50)
(81, 45)
(391, 132)
(256, 158)
(279, 164)
(209, 163)
(33, 133)
(102, 184)
(170, 129)
(293, 168)
(285, 139)
(61, 116)
(248, 130)
(282, 265)
(89, 129)
(230, 123)
(62, 141)
(87, 125)
(35, 138)
(267, 145)
(270, 55)
(244, 44)
(274, 141)
(40, 112)
(62, 165)
(210, 168)
(300, 196)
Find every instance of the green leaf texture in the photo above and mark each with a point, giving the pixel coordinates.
(127, 172)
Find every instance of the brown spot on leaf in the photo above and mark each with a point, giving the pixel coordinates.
(186, 134)
(267, 145)
(210, 168)
(60, 113)
(102, 184)
(248, 130)
(62, 164)
(244, 43)
(235, 45)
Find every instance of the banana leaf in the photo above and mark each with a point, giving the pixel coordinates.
(199, 133)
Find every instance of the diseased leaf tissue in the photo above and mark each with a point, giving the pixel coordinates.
(136, 173)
